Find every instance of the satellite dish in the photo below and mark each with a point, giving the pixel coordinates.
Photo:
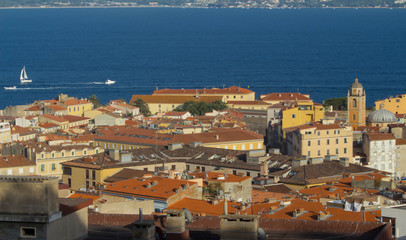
(188, 215)
(261, 234)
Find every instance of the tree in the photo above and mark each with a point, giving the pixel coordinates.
(96, 103)
(200, 108)
(143, 106)
(337, 103)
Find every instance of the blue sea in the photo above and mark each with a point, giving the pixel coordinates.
(313, 51)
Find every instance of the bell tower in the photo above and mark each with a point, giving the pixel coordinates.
(356, 105)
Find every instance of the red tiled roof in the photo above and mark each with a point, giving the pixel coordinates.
(57, 107)
(202, 207)
(33, 108)
(400, 141)
(15, 161)
(223, 135)
(48, 125)
(73, 102)
(85, 196)
(21, 130)
(285, 96)
(229, 90)
(176, 99)
(380, 136)
(163, 189)
(259, 102)
(175, 114)
(220, 177)
(71, 118)
(54, 118)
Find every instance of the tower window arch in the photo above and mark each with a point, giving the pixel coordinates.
(354, 102)
(353, 117)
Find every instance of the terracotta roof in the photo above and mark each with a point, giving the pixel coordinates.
(278, 188)
(84, 196)
(400, 141)
(202, 207)
(161, 188)
(380, 136)
(54, 118)
(15, 161)
(21, 130)
(260, 196)
(311, 210)
(47, 125)
(137, 136)
(229, 90)
(285, 96)
(71, 118)
(174, 99)
(223, 135)
(73, 102)
(34, 108)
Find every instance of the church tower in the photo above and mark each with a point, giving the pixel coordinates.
(356, 105)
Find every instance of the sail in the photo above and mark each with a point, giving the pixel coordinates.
(22, 73)
(25, 74)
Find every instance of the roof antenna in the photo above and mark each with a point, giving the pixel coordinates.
(156, 86)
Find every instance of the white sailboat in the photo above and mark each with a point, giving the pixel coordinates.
(24, 77)
(10, 88)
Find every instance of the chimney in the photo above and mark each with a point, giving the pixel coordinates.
(140, 215)
(345, 161)
(316, 160)
(217, 137)
(298, 162)
(174, 146)
(114, 154)
(225, 206)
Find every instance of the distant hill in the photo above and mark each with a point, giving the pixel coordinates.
(209, 3)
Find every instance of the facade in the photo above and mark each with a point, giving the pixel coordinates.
(380, 151)
(5, 133)
(319, 140)
(22, 134)
(125, 108)
(47, 118)
(30, 209)
(227, 94)
(302, 114)
(177, 115)
(17, 165)
(356, 105)
(397, 105)
(109, 119)
(400, 158)
(248, 105)
(76, 107)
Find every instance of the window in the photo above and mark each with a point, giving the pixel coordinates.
(42, 155)
(9, 171)
(42, 168)
(337, 141)
(203, 169)
(327, 132)
(345, 150)
(243, 147)
(234, 147)
(28, 232)
(259, 145)
(53, 167)
(336, 150)
(328, 151)
(63, 154)
(67, 171)
(309, 143)
(97, 151)
(53, 155)
(173, 167)
(87, 184)
(69, 182)
(353, 117)
(328, 141)
(87, 174)
(146, 169)
(85, 152)
(318, 152)
(248, 174)
(293, 115)
(354, 103)
(94, 184)
(318, 133)
(234, 172)
(318, 142)
(308, 153)
(345, 140)
(72, 153)
(251, 146)
(93, 175)
(31, 169)
(20, 171)
(187, 167)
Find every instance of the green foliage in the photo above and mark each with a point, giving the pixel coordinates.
(200, 108)
(337, 103)
(143, 106)
(96, 103)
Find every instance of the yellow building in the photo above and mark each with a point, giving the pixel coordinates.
(5, 133)
(92, 113)
(356, 105)
(301, 114)
(319, 140)
(248, 105)
(17, 165)
(397, 105)
(76, 107)
(49, 158)
(227, 94)
(167, 103)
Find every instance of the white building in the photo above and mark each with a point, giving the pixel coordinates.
(380, 151)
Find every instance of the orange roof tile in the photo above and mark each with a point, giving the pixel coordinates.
(54, 118)
(84, 195)
(73, 102)
(380, 136)
(15, 161)
(285, 96)
(200, 207)
(220, 177)
(229, 90)
(176, 99)
(48, 125)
